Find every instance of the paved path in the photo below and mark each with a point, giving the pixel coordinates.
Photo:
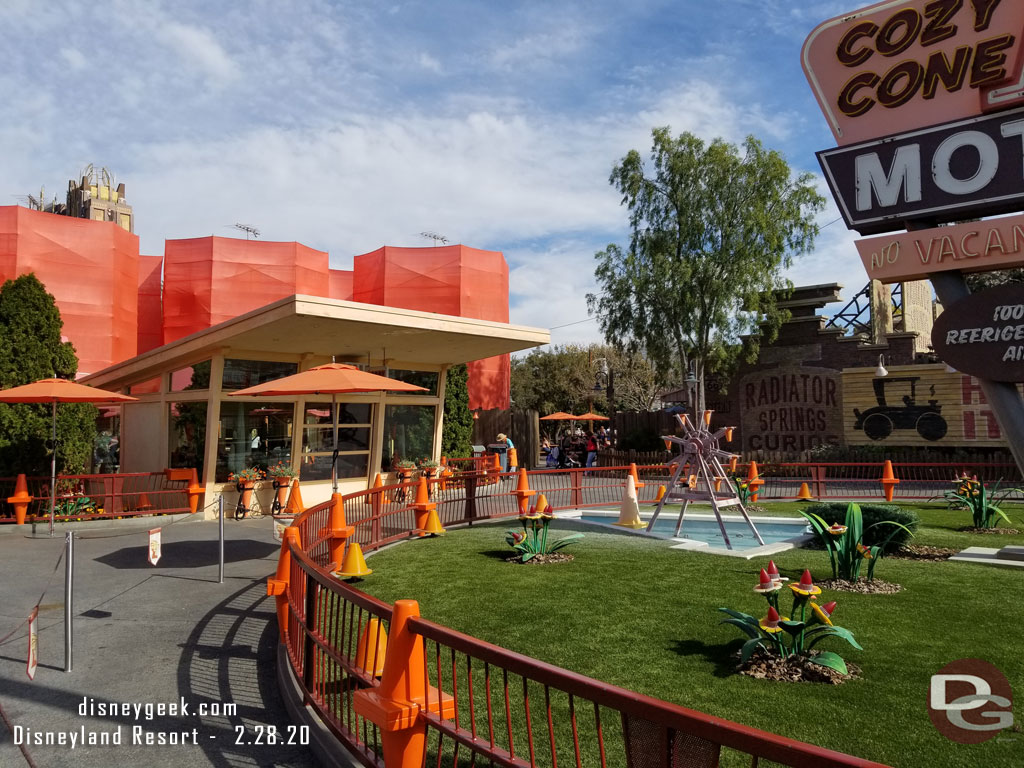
(146, 635)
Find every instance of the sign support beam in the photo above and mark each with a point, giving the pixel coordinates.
(1003, 398)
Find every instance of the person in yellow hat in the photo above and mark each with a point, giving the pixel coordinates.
(508, 458)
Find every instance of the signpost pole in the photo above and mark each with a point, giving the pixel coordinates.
(1003, 398)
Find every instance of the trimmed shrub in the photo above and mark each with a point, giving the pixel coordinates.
(833, 512)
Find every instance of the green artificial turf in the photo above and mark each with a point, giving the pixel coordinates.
(630, 611)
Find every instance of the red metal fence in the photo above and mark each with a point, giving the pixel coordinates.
(88, 497)
(438, 696)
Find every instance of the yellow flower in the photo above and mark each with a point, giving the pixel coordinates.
(770, 623)
(824, 612)
(805, 586)
(864, 551)
(837, 529)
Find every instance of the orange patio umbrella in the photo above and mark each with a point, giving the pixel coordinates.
(557, 416)
(58, 391)
(589, 416)
(331, 379)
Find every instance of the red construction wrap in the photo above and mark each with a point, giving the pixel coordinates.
(151, 331)
(451, 280)
(91, 268)
(341, 284)
(208, 280)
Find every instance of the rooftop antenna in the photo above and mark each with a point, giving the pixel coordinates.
(438, 239)
(248, 231)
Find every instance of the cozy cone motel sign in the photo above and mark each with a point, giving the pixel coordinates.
(925, 99)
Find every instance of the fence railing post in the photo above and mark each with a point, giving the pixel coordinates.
(576, 479)
(470, 484)
(307, 647)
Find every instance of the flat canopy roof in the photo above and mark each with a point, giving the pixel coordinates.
(325, 327)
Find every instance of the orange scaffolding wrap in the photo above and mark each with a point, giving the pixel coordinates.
(341, 284)
(208, 280)
(91, 268)
(453, 280)
(151, 330)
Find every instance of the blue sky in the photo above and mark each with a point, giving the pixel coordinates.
(351, 125)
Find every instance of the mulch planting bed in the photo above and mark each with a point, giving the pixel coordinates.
(996, 531)
(796, 669)
(922, 552)
(863, 586)
(557, 557)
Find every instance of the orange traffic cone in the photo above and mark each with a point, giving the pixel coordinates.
(20, 500)
(805, 493)
(372, 647)
(753, 481)
(294, 507)
(629, 510)
(889, 480)
(433, 525)
(195, 490)
(635, 476)
(661, 494)
(143, 502)
(523, 492)
(354, 565)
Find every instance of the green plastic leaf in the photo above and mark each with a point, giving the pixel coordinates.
(830, 660)
(842, 632)
(748, 648)
(527, 556)
(739, 615)
(793, 627)
(748, 629)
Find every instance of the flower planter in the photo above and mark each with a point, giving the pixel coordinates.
(281, 484)
(245, 488)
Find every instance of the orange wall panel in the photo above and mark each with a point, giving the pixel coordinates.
(150, 332)
(208, 280)
(451, 280)
(341, 284)
(90, 267)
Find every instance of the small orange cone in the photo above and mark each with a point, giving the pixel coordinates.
(294, 506)
(732, 463)
(754, 481)
(433, 525)
(354, 565)
(143, 502)
(661, 494)
(728, 434)
(20, 500)
(629, 510)
(195, 490)
(635, 476)
(889, 480)
(523, 492)
(707, 418)
(372, 647)
(805, 493)
(542, 503)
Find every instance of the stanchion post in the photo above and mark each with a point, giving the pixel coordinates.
(69, 577)
(220, 525)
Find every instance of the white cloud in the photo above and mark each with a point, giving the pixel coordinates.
(199, 49)
(428, 62)
(74, 58)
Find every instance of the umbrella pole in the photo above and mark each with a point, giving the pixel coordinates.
(53, 468)
(334, 455)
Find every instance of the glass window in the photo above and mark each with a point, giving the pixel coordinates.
(408, 433)
(187, 435)
(106, 447)
(355, 421)
(426, 379)
(194, 377)
(253, 434)
(145, 387)
(239, 374)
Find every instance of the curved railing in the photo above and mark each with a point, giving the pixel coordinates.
(433, 694)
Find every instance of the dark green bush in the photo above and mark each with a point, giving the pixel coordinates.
(835, 512)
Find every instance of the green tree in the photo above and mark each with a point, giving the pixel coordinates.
(711, 230)
(457, 430)
(573, 378)
(31, 349)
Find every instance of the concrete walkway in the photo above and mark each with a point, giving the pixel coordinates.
(146, 636)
